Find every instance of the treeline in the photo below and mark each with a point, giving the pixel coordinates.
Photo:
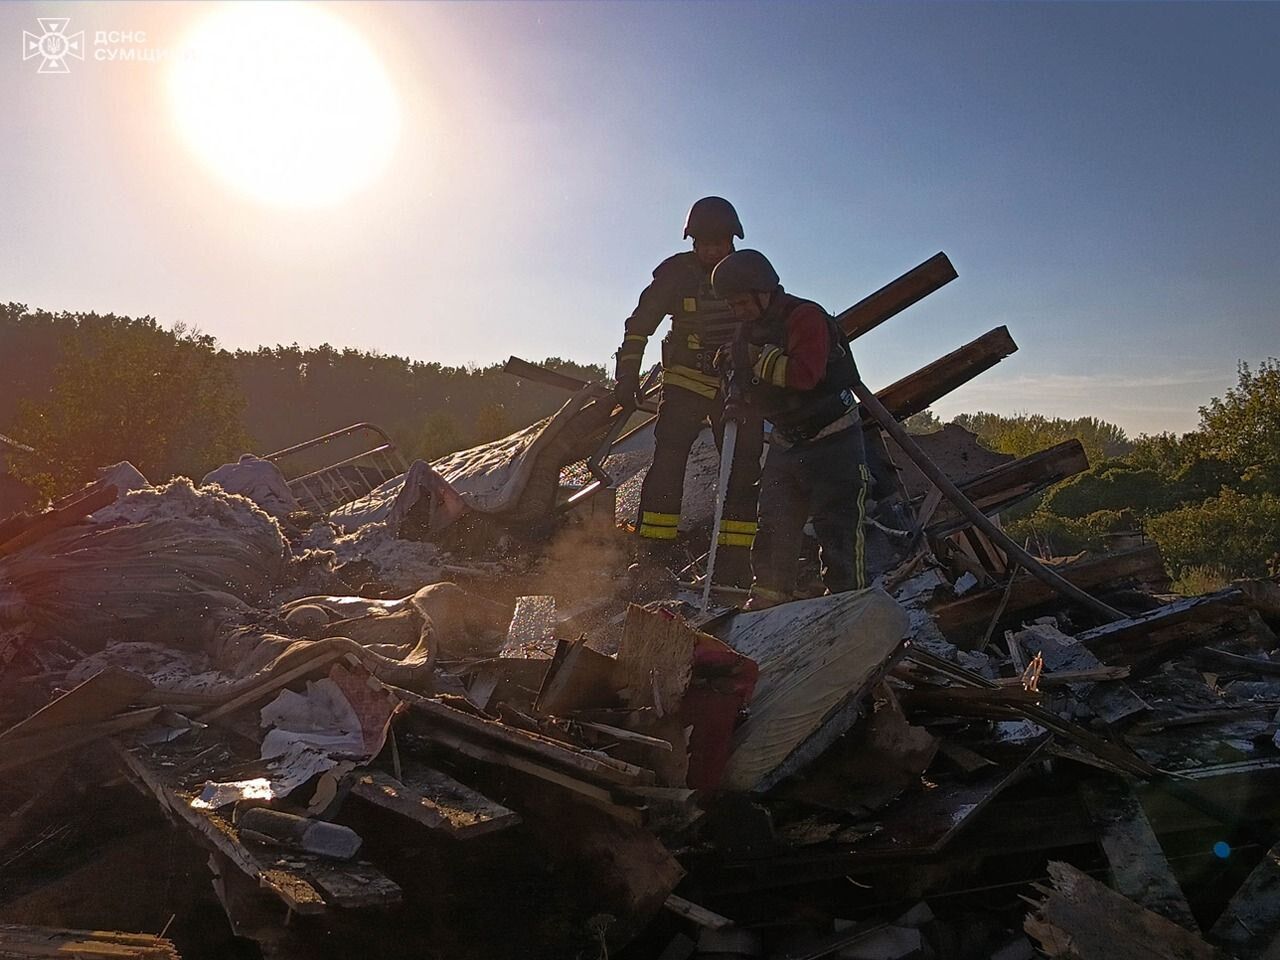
(85, 389)
(1210, 498)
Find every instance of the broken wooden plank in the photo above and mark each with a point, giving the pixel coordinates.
(273, 682)
(72, 511)
(19, 751)
(655, 660)
(972, 612)
(1009, 484)
(352, 886)
(1236, 663)
(100, 697)
(1082, 919)
(291, 886)
(896, 295)
(18, 942)
(435, 800)
(1136, 860)
(437, 718)
(917, 391)
(579, 679)
(551, 378)
(1145, 641)
(1250, 925)
(699, 915)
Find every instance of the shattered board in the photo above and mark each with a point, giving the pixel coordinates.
(818, 658)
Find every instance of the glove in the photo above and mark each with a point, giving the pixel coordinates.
(625, 394)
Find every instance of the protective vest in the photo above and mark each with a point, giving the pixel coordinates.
(800, 415)
(700, 321)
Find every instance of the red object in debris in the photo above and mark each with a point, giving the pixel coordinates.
(723, 681)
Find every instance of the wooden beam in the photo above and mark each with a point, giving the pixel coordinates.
(22, 942)
(435, 800)
(973, 611)
(1002, 487)
(1147, 640)
(64, 516)
(550, 378)
(916, 391)
(292, 887)
(1136, 860)
(895, 296)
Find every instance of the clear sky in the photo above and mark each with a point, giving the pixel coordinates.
(1103, 176)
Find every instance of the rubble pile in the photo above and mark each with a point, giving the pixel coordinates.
(442, 720)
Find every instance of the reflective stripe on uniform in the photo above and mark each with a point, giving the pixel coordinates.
(747, 540)
(689, 379)
(658, 526)
(738, 526)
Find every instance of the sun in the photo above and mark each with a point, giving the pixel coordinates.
(284, 101)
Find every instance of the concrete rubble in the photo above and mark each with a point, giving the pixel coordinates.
(442, 719)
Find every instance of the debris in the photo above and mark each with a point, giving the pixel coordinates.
(299, 833)
(19, 943)
(1081, 918)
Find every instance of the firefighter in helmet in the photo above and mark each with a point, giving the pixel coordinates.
(701, 323)
(799, 376)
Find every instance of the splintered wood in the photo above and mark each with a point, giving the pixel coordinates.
(1084, 920)
(655, 661)
(22, 942)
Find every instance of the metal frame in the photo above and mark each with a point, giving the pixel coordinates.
(328, 487)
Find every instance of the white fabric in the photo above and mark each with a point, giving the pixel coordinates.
(259, 480)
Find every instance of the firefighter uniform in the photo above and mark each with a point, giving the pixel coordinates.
(700, 324)
(800, 380)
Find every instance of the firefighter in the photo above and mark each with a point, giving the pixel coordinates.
(701, 323)
(793, 366)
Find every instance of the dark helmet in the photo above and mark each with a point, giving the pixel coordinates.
(712, 217)
(742, 272)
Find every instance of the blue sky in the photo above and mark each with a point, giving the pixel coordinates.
(1103, 176)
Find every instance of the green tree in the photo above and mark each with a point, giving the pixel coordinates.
(440, 434)
(492, 423)
(166, 400)
(1027, 433)
(1235, 534)
(926, 421)
(1243, 427)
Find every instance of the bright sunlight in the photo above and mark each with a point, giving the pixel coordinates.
(286, 102)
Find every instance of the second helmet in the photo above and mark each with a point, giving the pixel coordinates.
(742, 272)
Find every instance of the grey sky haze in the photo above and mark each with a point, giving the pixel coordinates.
(1103, 176)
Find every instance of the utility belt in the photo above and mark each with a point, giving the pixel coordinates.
(686, 348)
(786, 438)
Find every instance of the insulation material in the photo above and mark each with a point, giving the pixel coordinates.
(398, 565)
(259, 480)
(167, 563)
(420, 490)
(491, 478)
(818, 658)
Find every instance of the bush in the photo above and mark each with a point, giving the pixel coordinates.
(1237, 534)
(1055, 535)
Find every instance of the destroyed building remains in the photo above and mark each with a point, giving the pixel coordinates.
(326, 703)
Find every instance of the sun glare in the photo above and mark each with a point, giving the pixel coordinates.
(284, 101)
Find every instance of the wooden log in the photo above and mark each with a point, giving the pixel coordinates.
(435, 800)
(1136, 860)
(973, 611)
(895, 296)
(916, 391)
(1081, 919)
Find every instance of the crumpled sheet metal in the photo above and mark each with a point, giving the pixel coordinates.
(392, 502)
(491, 478)
(815, 656)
